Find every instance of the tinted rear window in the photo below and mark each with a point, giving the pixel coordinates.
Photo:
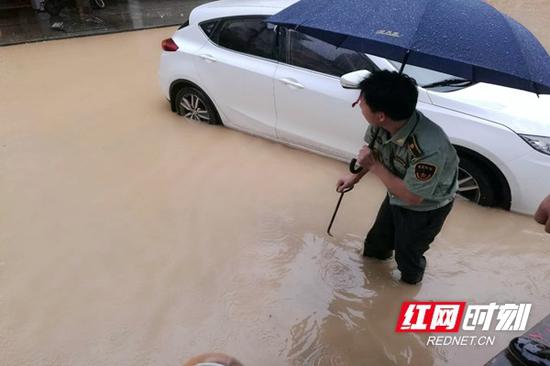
(208, 27)
(248, 35)
(314, 54)
(184, 25)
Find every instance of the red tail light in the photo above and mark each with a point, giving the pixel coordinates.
(169, 45)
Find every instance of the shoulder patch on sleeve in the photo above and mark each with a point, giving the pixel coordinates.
(424, 172)
(413, 146)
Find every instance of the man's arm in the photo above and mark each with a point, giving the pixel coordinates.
(395, 185)
(542, 216)
(361, 174)
(350, 180)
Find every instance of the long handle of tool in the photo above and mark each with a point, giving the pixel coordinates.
(336, 209)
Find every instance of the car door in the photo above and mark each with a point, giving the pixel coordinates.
(313, 110)
(237, 70)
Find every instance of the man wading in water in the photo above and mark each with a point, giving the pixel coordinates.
(417, 163)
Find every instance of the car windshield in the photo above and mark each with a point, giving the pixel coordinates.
(431, 79)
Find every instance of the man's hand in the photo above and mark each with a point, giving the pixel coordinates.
(346, 182)
(366, 158)
(542, 216)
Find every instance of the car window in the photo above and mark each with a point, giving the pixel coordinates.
(208, 27)
(314, 54)
(248, 35)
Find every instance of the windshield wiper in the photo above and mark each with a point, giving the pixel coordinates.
(449, 82)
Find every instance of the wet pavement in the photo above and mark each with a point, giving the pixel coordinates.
(533, 14)
(20, 23)
(131, 236)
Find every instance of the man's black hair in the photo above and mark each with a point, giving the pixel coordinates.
(390, 92)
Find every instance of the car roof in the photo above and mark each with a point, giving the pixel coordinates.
(224, 8)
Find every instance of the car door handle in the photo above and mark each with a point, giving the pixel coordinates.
(208, 58)
(292, 83)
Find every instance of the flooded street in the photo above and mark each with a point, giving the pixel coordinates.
(132, 236)
(532, 13)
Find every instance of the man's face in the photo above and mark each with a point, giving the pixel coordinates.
(373, 118)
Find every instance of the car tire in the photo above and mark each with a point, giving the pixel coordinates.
(476, 183)
(194, 104)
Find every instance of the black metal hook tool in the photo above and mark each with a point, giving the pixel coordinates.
(336, 209)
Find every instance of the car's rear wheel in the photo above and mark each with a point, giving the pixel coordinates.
(194, 104)
(476, 183)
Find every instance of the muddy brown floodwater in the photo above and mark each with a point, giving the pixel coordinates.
(131, 236)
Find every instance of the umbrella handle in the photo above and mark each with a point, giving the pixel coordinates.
(353, 167)
(345, 190)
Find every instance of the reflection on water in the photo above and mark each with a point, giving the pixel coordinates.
(131, 236)
(352, 321)
(333, 301)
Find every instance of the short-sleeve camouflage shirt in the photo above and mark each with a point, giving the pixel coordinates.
(421, 154)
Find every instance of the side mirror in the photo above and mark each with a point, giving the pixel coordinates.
(351, 80)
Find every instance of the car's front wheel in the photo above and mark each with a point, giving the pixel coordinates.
(194, 104)
(476, 184)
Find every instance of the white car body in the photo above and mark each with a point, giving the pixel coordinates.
(311, 110)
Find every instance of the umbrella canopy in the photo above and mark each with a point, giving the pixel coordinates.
(466, 38)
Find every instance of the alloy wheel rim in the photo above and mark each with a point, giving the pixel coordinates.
(468, 186)
(194, 108)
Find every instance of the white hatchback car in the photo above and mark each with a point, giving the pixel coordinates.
(227, 66)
